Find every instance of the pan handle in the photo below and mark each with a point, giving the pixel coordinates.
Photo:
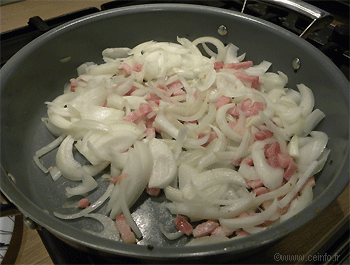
(319, 17)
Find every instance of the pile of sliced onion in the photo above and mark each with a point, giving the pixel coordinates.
(223, 138)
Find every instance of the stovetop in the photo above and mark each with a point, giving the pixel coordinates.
(333, 40)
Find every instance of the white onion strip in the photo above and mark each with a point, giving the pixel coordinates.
(250, 221)
(88, 209)
(168, 235)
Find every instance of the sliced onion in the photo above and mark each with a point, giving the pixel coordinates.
(250, 221)
(109, 231)
(55, 173)
(307, 99)
(289, 196)
(271, 177)
(170, 236)
(206, 240)
(88, 209)
(164, 166)
(87, 185)
(223, 125)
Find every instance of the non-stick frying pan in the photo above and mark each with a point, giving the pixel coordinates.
(39, 71)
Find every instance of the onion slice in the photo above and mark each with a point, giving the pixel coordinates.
(88, 209)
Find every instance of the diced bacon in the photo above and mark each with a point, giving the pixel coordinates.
(232, 124)
(118, 179)
(248, 161)
(241, 232)
(212, 136)
(175, 84)
(162, 87)
(254, 184)
(150, 132)
(260, 190)
(130, 91)
(289, 172)
(152, 191)
(218, 66)
(178, 92)
(233, 112)
(310, 182)
(223, 100)
(73, 84)
(273, 161)
(249, 108)
(205, 228)
(263, 134)
(283, 210)
(267, 223)
(124, 229)
(142, 111)
(191, 122)
(251, 79)
(153, 98)
(137, 67)
(257, 106)
(223, 231)
(132, 116)
(83, 203)
(126, 68)
(113, 180)
(284, 159)
(240, 65)
(145, 109)
(244, 214)
(272, 150)
(183, 225)
(246, 105)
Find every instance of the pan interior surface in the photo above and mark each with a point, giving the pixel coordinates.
(39, 72)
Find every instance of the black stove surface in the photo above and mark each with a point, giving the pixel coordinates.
(332, 40)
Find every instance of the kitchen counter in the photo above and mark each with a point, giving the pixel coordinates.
(31, 248)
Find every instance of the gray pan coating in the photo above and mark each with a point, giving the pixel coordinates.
(36, 74)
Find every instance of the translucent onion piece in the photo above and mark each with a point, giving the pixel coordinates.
(223, 125)
(282, 203)
(312, 120)
(88, 209)
(299, 203)
(70, 168)
(88, 184)
(164, 165)
(170, 236)
(39, 164)
(206, 240)
(127, 214)
(55, 173)
(271, 177)
(109, 231)
(307, 99)
(44, 150)
(250, 221)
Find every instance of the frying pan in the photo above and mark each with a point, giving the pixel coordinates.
(39, 71)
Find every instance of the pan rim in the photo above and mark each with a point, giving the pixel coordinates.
(158, 252)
